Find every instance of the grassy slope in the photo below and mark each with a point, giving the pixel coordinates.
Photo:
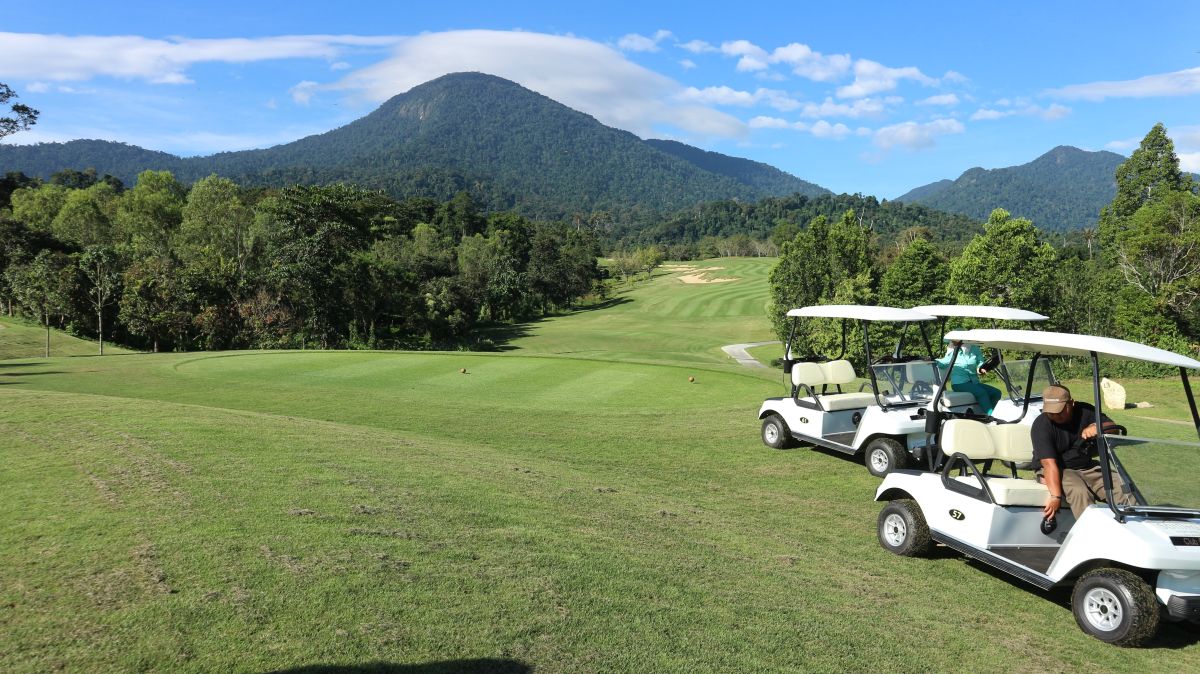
(21, 339)
(254, 512)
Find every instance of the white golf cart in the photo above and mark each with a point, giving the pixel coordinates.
(884, 419)
(1127, 563)
(1013, 374)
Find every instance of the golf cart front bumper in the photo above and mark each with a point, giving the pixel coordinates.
(1180, 607)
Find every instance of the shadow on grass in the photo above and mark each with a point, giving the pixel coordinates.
(481, 666)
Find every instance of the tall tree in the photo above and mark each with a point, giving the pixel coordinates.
(215, 222)
(1008, 265)
(22, 117)
(149, 214)
(43, 287)
(102, 268)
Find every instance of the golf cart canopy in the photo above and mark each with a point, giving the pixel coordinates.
(1065, 344)
(860, 312)
(979, 311)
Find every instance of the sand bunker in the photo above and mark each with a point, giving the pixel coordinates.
(700, 278)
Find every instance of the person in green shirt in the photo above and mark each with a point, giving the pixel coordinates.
(968, 365)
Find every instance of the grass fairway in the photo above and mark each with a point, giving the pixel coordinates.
(282, 511)
(20, 338)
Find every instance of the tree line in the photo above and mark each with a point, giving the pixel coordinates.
(1136, 276)
(218, 266)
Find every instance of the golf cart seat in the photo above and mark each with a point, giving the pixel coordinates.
(977, 441)
(959, 398)
(834, 373)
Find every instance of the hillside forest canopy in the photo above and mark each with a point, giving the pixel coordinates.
(218, 265)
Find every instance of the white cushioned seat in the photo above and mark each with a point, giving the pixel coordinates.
(835, 402)
(1002, 442)
(835, 372)
(959, 398)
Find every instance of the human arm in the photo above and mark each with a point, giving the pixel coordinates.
(1052, 477)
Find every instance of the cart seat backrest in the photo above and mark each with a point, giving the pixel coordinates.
(969, 438)
(979, 441)
(807, 374)
(838, 372)
(1012, 442)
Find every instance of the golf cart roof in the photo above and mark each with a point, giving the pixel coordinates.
(860, 312)
(980, 311)
(1066, 344)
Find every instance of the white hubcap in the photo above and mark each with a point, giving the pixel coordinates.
(894, 530)
(1103, 609)
(879, 461)
(771, 433)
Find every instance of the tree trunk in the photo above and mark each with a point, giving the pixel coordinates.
(100, 319)
(47, 314)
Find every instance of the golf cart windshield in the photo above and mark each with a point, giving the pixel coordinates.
(1164, 472)
(1015, 374)
(903, 383)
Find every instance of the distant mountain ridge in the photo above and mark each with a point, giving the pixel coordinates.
(1061, 190)
(512, 148)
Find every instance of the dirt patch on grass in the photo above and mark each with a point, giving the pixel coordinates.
(702, 275)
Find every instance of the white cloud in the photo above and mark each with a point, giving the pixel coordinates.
(303, 92)
(811, 64)
(1178, 83)
(581, 74)
(1123, 146)
(1187, 146)
(871, 78)
(955, 77)
(697, 47)
(941, 99)
(752, 56)
(640, 43)
(687, 64)
(863, 107)
(728, 96)
(823, 129)
(37, 87)
(988, 113)
(340, 65)
(762, 122)
(1055, 111)
(915, 136)
(1190, 161)
(78, 58)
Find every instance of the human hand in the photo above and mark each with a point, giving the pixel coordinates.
(1050, 509)
(1088, 433)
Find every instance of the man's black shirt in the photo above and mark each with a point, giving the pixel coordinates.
(1061, 442)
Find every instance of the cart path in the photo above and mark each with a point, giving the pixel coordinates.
(738, 353)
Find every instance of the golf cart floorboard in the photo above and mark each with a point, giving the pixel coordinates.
(1038, 558)
(844, 439)
(1015, 567)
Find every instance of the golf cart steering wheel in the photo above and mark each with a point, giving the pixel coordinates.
(921, 388)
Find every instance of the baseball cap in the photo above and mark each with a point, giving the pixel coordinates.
(1055, 398)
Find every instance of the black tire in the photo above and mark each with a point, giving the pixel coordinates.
(1115, 606)
(775, 432)
(883, 455)
(902, 529)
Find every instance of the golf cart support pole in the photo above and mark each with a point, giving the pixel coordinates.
(1187, 387)
(1102, 442)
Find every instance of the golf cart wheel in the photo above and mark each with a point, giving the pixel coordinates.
(902, 529)
(1115, 606)
(775, 432)
(883, 455)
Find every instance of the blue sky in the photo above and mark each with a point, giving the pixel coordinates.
(857, 97)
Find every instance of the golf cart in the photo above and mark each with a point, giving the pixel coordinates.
(884, 419)
(1013, 374)
(1128, 565)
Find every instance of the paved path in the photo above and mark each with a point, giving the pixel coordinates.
(738, 353)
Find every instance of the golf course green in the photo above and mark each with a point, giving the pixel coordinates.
(593, 497)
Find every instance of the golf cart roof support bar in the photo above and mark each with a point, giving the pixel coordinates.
(1101, 441)
(935, 458)
(925, 338)
(1187, 386)
(870, 370)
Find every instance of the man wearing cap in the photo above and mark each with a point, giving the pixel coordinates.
(1061, 449)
